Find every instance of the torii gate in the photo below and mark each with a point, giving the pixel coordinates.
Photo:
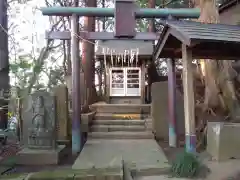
(125, 13)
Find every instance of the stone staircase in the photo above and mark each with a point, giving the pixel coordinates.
(121, 121)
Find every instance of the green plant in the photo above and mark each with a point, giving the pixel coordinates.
(185, 165)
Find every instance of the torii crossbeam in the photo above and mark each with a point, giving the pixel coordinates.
(125, 13)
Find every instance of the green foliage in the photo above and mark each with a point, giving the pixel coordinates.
(165, 3)
(186, 165)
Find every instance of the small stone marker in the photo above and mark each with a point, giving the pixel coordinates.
(62, 114)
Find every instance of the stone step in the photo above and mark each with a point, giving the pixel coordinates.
(119, 122)
(121, 135)
(121, 108)
(115, 116)
(111, 128)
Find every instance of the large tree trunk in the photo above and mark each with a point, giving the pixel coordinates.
(88, 61)
(219, 89)
(152, 70)
(4, 66)
(151, 27)
(219, 95)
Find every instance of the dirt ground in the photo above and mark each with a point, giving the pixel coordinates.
(229, 170)
(9, 151)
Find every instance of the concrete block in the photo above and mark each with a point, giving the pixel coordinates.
(159, 110)
(160, 177)
(66, 174)
(84, 177)
(119, 122)
(111, 128)
(114, 177)
(117, 116)
(40, 157)
(104, 176)
(149, 124)
(86, 120)
(223, 140)
(121, 108)
(152, 171)
(121, 135)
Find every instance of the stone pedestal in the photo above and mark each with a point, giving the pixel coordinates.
(41, 139)
(40, 156)
(159, 111)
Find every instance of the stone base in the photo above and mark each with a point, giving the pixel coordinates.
(223, 141)
(40, 157)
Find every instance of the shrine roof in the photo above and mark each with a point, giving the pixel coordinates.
(211, 41)
(227, 4)
(116, 47)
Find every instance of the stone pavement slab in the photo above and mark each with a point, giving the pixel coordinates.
(160, 177)
(142, 156)
(40, 156)
(14, 177)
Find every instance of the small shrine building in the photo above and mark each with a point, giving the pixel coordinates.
(125, 63)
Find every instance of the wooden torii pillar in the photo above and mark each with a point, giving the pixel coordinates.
(172, 107)
(76, 94)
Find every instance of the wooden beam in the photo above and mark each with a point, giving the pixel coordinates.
(172, 102)
(160, 47)
(201, 54)
(76, 99)
(189, 103)
(66, 35)
(143, 72)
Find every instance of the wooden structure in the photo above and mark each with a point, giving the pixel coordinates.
(125, 14)
(125, 67)
(192, 40)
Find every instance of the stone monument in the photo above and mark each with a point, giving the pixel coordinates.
(39, 130)
(42, 133)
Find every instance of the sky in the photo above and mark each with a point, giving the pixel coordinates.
(30, 24)
(26, 30)
(29, 29)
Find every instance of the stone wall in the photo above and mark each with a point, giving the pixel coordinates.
(159, 110)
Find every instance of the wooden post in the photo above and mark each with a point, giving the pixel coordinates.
(61, 94)
(76, 100)
(172, 103)
(143, 71)
(189, 104)
(4, 65)
(107, 84)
